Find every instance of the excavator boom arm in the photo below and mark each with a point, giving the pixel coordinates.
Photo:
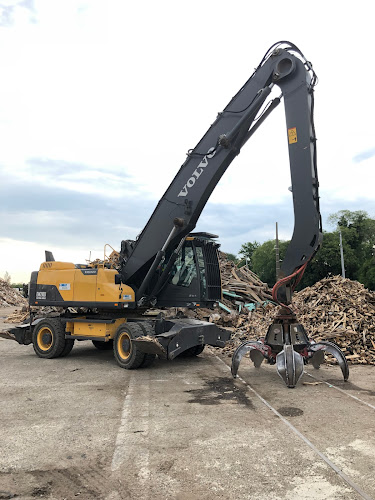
(180, 207)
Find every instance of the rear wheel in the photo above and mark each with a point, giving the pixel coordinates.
(103, 346)
(126, 353)
(49, 338)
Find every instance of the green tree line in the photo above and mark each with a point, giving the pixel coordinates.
(358, 240)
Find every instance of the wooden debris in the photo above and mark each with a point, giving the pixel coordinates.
(342, 311)
(10, 296)
(335, 309)
(243, 282)
(7, 335)
(18, 316)
(22, 315)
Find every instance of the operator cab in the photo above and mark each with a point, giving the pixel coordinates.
(195, 279)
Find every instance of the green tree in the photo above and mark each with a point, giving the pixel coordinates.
(232, 257)
(359, 221)
(264, 260)
(17, 285)
(247, 250)
(367, 270)
(327, 261)
(358, 235)
(358, 239)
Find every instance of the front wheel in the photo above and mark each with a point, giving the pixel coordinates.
(126, 353)
(49, 338)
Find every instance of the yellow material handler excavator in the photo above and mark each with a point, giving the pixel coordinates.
(170, 266)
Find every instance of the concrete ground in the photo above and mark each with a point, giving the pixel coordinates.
(81, 427)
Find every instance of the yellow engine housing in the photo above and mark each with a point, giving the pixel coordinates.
(66, 285)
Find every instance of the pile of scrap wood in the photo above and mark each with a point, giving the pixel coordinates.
(242, 283)
(111, 261)
(10, 296)
(335, 309)
(18, 316)
(23, 315)
(342, 311)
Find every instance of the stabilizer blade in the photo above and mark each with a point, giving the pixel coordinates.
(149, 345)
(289, 365)
(336, 353)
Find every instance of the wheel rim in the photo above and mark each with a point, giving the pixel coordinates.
(44, 338)
(124, 345)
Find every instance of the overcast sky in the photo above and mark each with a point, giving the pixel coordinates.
(101, 100)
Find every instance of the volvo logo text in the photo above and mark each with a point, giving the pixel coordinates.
(197, 172)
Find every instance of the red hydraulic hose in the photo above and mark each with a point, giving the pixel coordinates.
(297, 274)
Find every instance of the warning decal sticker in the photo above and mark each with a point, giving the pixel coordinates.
(292, 135)
(64, 286)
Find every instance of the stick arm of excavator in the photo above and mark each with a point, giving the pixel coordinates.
(181, 205)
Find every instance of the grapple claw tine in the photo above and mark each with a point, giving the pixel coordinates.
(241, 351)
(237, 356)
(317, 359)
(289, 365)
(336, 353)
(256, 357)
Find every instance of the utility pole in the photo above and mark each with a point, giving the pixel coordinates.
(277, 254)
(342, 257)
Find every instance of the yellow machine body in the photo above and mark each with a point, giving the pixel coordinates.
(93, 329)
(63, 284)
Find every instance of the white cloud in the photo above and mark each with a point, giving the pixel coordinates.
(20, 258)
(123, 90)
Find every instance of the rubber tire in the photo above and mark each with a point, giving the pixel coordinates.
(103, 346)
(136, 357)
(149, 358)
(192, 351)
(58, 338)
(69, 343)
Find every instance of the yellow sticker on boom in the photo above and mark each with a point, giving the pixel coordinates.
(292, 135)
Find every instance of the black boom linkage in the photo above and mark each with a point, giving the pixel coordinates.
(181, 205)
